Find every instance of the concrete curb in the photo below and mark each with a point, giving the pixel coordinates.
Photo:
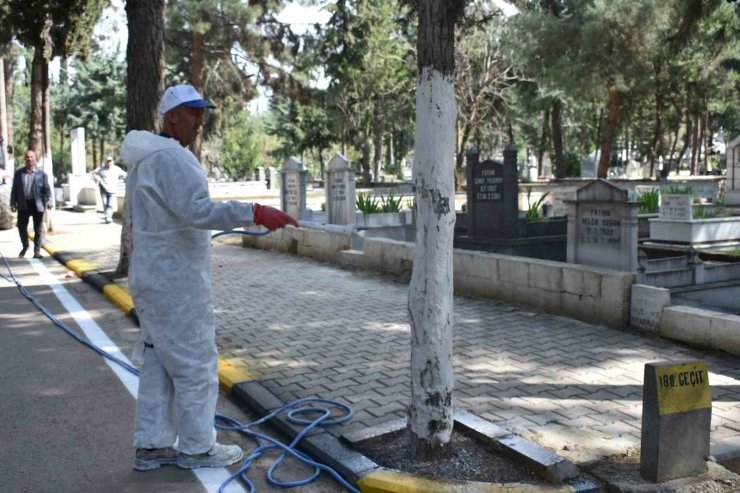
(369, 477)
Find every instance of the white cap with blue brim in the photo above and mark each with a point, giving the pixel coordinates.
(184, 94)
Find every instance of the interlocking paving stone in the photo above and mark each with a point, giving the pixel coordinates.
(349, 334)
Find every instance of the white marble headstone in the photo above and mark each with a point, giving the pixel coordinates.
(646, 307)
(676, 207)
(602, 227)
(340, 191)
(293, 188)
(77, 138)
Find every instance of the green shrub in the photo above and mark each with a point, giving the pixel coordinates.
(650, 202)
(687, 190)
(533, 214)
(572, 165)
(367, 204)
(390, 203)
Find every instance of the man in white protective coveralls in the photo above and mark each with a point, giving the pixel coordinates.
(170, 281)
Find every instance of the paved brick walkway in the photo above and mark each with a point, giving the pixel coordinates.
(307, 328)
(310, 329)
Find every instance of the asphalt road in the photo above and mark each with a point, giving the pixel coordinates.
(66, 419)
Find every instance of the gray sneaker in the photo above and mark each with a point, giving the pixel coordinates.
(148, 459)
(218, 456)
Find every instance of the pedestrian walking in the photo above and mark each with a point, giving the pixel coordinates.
(29, 195)
(106, 177)
(170, 280)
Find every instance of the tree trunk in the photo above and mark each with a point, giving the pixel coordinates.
(36, 131)
(557, 137)
(102, 150)
(321, 162)
(378, 147)
(9, 94)
(197, 65)
(543, 143)
(365, 148)
(430, 293)
(626, 142)
(640, 145)
(598, 132)
(144, 88)
(94, 151)
(694, 144)
(3, 118)
(675, 142)
(705, 140)
(699, 146)
(597, 128)
(656, 148)
(686, 140)
(606, 145)
(460, 158)
(702, 141)
(47, 161)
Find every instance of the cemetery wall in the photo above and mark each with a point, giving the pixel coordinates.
(702, 328)
(599, 296)
(318, 245)
(594, 295)
(561, 190)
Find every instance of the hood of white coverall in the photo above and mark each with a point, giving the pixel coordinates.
(172, 215)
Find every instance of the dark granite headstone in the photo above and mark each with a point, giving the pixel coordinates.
(493, 201)
(676, 418)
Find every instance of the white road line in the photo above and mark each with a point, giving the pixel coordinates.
(210, 478)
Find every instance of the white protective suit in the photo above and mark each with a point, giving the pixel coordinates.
(170, 282)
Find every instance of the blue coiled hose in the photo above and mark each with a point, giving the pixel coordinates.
(226, 423)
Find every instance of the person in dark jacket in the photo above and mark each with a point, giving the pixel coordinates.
(29, 195)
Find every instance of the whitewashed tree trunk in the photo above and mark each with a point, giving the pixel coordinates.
(430, 415)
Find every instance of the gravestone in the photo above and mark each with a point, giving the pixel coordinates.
(588, 166)
(78, 179)
(261, 176)
(272, 178)
(602, 227)
(493, 193)
(676, 420)
(293, 189)
(558, 200)
(546, 167)
(634, 170)
(340, 191)
(646, 307)
(676, 207)
(77, 138)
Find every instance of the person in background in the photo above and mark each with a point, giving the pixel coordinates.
(106, 177)
(28, 196)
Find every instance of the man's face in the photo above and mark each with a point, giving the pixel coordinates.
(187, 122)
(30, 159)
(108, 163)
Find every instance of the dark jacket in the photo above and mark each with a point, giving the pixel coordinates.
(41, 190)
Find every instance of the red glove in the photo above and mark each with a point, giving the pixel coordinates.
(271, 218)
